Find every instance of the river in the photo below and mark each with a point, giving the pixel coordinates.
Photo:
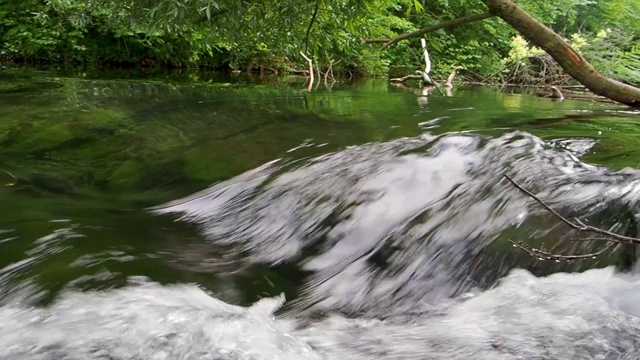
(211, 216)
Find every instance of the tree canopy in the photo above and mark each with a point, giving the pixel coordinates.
(248, 35)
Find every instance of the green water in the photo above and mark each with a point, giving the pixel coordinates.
(83, 155)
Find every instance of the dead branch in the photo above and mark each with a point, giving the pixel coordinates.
(611, 238)
(452, 76)
(15, 179)
(556, 93)
(424, 75)
(297, 72)
(405, 78)
(596, 239)
(545, 255)
(335, 63)
(426, 80)
(329, 72)
(427, 63)
(574, 87)
(374, 41)
(577, 224)
(310, 64)
(442, 25)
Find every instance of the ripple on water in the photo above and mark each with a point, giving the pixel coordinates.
(394, 232)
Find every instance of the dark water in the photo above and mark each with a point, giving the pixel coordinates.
(170, 217)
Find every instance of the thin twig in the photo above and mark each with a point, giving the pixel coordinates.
(613, 239)
(15, 179)
(578, 224)
(607, 239)
(10, 174)
(545, 255)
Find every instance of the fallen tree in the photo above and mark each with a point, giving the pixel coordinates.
(546, 39)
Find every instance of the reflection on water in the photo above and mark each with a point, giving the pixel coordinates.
(382, 219)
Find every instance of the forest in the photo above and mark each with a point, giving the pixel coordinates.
(344, 34)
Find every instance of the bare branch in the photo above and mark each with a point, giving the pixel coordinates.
(330, 72)
(611, 238)
(310, 64)
(545, 255)
(407, 77)
(427, 60)
(442, 25)
(452, 76)
(374, 41)
(556, 93)
(578, 224)
(597, 239)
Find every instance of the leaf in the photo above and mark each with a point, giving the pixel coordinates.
(418, 5)
(436, 46)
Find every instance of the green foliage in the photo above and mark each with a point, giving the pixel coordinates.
(615, 54)
(558, 13)
(271, 35)
(27, 31)
(623, 15)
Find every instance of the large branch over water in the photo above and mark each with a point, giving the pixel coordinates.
(570, 61)
(428, 29)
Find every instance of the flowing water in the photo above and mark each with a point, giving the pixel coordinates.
(149, 216)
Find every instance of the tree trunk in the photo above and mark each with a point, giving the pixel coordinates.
(572, 62)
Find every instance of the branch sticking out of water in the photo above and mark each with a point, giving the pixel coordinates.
(577, 224)
(545, 255)
(310, 64)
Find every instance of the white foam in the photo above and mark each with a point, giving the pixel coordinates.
(590, 315)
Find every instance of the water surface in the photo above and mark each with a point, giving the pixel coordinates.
(170, 217)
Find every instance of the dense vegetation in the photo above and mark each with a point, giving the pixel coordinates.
(247, 35)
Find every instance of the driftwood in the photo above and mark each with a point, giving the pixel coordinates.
(611, 239)
(407, 77)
